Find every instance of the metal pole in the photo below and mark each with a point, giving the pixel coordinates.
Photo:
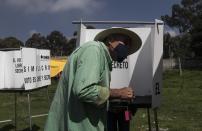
(15, 108)
(4, 121)
(29, 109)
(9, 49)
(47, 95)
(149, 122)
(35, 116)
(156, 119)
(115, 22)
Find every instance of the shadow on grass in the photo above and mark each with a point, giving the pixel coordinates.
(10, 127)
(34, 128)
(7, 127)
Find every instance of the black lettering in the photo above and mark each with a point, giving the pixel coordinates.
(39, 78)
(122, 65)
(32, 68)
(126, 65)
(46, 77)
(37, 68)
(19, 59)
(34, 79)
(18, 65)
(42, 68)
(45, 57)
(18, 70)
(157, 89)
(14, 60)
(24, 68)
(28, 80)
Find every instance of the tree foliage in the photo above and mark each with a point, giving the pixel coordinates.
(187, 17)
(10, 42)
(57, 42)
(181, 45)
(167, 45)
(1, 45)
(70, 46)
(37, 41)
(87, 27)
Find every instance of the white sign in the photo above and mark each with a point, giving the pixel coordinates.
(43, 59)
(1, 69)
(27, 69)
(36, 64)
(13, 70)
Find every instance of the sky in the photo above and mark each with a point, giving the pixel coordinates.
(22, 18)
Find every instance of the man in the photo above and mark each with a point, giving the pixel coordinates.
(80, 101)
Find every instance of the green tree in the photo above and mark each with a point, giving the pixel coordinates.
(167, 45)
(1, 46)
(87, 26)
(57, 42)
(71, 45)
(72, 42)
(37, 41)
(181, 45)
(10, 42)
(187, 17)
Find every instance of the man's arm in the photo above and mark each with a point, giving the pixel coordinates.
(123, 93)
(87, 77)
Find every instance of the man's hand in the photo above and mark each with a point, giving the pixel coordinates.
(123, 93)
(126, 93)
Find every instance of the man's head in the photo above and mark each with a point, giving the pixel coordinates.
(121, 42)
(118, 45)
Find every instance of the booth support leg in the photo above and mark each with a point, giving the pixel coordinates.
(149, 122)
(29, 111)
(15, 111)
(156, 119)
(47, 95)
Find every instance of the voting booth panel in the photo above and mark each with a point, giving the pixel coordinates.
(11, 70)
(141, 70)
(157, 63)
(37, 70)
(1, 70)
(24, 69)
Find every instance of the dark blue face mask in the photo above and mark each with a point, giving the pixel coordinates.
(121, 52)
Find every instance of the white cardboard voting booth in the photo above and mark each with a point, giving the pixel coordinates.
(143, 69)
(24, 69)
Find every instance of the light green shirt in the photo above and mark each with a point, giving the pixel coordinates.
(80, 100)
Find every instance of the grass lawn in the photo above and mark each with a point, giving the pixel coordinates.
(181, 108)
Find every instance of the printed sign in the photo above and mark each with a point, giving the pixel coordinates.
(36, 65)
(13, 70)
(1, 69)
(27, 69)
